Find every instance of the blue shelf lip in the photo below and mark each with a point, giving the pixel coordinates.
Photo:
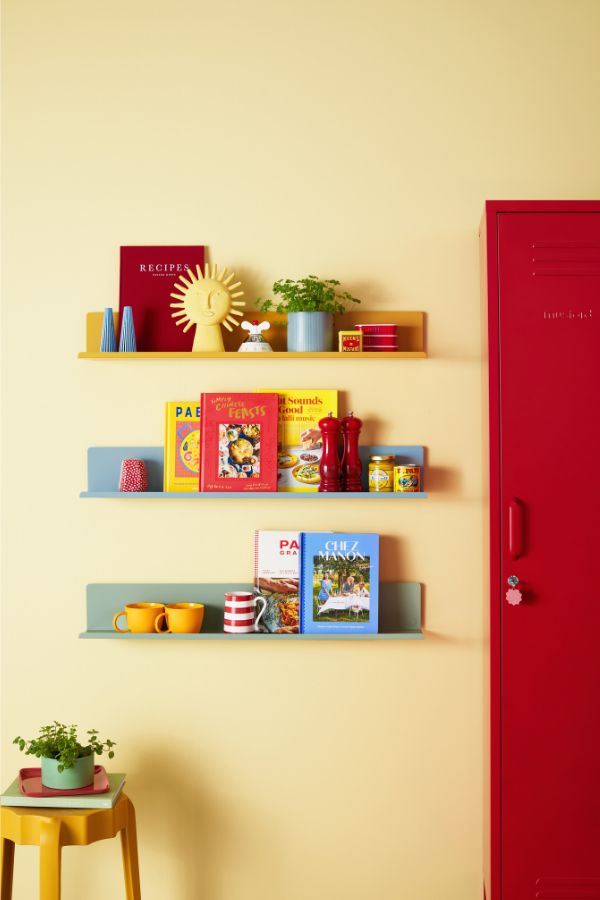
(238, 495)
(216, 636)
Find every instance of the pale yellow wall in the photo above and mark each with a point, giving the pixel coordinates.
(354, 140)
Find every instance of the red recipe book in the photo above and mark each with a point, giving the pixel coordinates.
(147, 278)
(238, 442)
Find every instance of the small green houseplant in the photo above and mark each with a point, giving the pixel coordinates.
(310, 304)
(66, 762)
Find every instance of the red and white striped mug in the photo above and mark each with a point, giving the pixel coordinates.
(241, 612)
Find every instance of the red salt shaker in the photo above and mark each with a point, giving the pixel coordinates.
(329, 467)
(351, 476)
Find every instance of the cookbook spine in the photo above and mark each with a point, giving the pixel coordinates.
(203, 454)
(166, 453)
(302, 590)
(256, 558)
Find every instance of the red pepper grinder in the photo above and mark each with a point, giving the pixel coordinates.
(329, 467)
(351, 461)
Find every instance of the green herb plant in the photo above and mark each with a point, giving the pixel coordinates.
(309, 294)
(61, 742)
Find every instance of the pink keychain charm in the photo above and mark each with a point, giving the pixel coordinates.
(513, 594)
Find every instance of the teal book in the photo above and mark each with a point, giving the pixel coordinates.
(12, 796)
(339, 583)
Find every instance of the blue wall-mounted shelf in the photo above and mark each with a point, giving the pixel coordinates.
(399, 612)
(104, 466)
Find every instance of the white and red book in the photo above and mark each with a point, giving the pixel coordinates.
(277, 579)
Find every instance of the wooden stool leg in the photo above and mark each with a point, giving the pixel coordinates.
(7, 859)
(50, 859)
(130, 856)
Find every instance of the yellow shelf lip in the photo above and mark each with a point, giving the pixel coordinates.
(400, 354)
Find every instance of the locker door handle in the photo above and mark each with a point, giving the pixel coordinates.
(515, 529)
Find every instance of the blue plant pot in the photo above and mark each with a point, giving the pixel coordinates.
(309, 332)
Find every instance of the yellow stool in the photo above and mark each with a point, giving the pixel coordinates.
(52, 829)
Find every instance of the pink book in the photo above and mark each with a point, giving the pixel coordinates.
(238, 442)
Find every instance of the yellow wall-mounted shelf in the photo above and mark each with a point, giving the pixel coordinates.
(410, 339)
(254, 356)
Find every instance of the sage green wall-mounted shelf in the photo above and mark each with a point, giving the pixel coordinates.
(399, 612)
(220, 636)
(104, 466)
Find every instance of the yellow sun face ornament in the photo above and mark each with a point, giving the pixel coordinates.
(207, 301)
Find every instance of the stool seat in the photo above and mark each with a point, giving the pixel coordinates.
(52, 829)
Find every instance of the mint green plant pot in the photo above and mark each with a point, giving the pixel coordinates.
(79, 775)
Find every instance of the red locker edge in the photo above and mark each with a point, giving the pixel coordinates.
(488, 242)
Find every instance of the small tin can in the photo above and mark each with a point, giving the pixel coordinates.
(407, 479)
(350, 341)
(381, 474)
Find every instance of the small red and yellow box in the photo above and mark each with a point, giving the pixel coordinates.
(350, 341)
(407, 479)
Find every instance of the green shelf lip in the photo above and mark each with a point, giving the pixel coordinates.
(274, 638)
(238, 495)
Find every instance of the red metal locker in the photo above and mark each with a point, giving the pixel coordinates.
(541, 281)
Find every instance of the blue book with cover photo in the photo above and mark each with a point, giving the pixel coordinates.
(339, 582)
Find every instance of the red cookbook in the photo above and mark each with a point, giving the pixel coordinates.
(238, 442)
(147, 278)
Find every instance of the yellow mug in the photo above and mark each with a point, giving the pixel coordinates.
(180, 618)
(140, 616)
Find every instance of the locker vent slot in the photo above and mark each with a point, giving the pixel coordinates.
(557, 272)
(564, 888)
(565, 245)
(566, 258)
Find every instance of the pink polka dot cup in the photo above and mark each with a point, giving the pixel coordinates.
(134, 477)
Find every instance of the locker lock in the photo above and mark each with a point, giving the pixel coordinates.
(512, 580)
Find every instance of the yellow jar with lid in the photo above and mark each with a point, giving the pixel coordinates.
(381, 473)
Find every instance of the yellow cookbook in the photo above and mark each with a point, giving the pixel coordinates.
(299, 437)
(182, 446)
